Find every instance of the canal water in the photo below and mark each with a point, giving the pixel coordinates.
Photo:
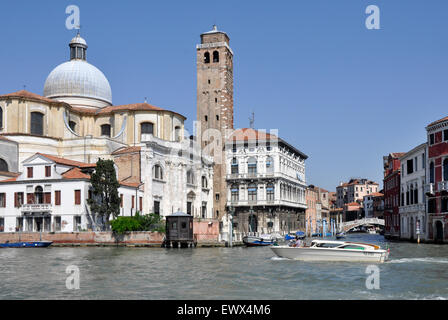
(413, 272)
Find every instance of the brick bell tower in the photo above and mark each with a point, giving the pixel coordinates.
(215, 104)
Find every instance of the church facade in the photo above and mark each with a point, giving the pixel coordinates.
(75, 119)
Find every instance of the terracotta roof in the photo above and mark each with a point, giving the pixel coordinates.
(397, 154)
(126, 150)
(75, 173)
(9, 180)
(130, 184)
(352, 204)
(437, 122)
(28, 95)
(68, 162)
(246, 134)
(377, 194)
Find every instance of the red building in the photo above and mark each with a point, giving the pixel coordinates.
(437, 180)
(392, 171)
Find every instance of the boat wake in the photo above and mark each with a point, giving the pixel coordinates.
(279, 259)
(428, 259)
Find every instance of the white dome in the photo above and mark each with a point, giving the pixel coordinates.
(78, 78)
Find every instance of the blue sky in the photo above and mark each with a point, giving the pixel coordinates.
(342, 94)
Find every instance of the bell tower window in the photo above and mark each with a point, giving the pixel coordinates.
(207, 57)
(215, 56)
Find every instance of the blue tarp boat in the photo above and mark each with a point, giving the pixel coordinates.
(292, 236)
(26, 244)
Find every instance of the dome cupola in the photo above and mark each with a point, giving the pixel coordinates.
(77, 82)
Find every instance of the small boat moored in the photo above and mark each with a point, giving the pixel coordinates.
(26, 244)
(257, 241)
(322, 250)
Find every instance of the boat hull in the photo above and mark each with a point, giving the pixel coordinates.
(251, 241)
(327, 254)
(26, 244)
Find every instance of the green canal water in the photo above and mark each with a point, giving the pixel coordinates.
(412, 272)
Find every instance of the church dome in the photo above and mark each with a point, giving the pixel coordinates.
(78, 79)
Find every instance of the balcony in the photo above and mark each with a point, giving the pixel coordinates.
(413, 208)
(429, 189)
(443, 186)
(37, 207)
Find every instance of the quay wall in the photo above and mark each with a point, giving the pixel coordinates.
(205, 232)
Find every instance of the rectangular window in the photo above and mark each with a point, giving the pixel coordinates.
(121, 201)
(2, 224)
(423, 161)
(47, 197)
(431, 139)
(141, 204)
(47, 171)
(29, 172)
(57, 198)
(445, 135)
(18, 199)
(189, 207)
(157, 207)
(2, 200)
(57, 223)
(410, 167)
(77, 197)
(133, 200)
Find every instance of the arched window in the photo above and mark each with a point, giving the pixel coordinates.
(1, 118)
(39, 195)
(235, 193)
(3, 165)
(190, 177)
(147, 128)
(445, 169)
(431, 172)
(234, 166)
(157, 172)
(177, 135)
(105, 130)
(207, 57)
(269, 165)
(252, 166)
(252, 192)
(37, 123)
(270, 192)
(215, 56)
(204, 182)
(72, 125)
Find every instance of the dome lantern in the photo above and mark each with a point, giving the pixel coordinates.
(78, 48)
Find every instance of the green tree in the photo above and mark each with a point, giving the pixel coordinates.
(105, 200)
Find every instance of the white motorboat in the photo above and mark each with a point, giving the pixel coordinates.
(323, 250)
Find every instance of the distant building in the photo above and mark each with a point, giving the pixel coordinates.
(412, 199)
(437, 180)
(354, 191)
(374, 205)
(392, 182)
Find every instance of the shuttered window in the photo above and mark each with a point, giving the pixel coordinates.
(47, 197)
(57, 198)
(18, 199)
(133, 200)
(77, 197)
(47, 171)
(2, 200)
(141, 204)
(30, 172)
